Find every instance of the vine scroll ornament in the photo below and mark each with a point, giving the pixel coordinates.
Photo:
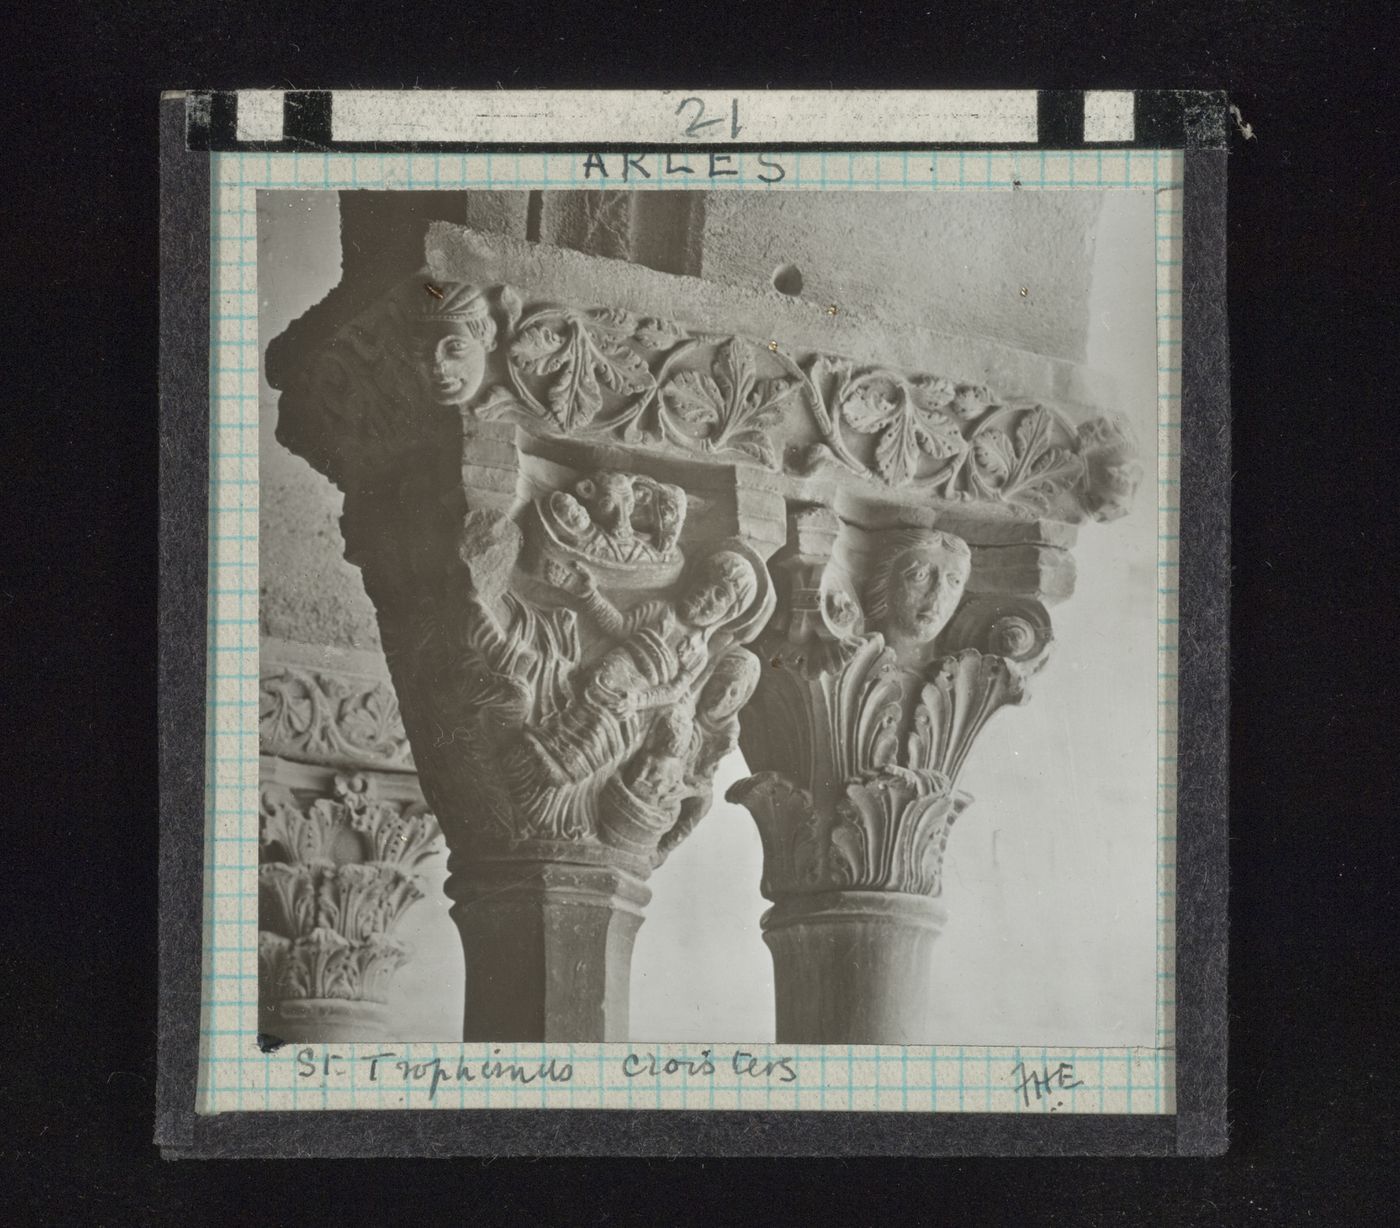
(608, 374)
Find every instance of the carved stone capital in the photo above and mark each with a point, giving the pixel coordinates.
(565, 481)
(882, 672)
(882, 669)
(335, 875)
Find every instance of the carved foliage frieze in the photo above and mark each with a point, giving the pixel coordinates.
(321, 716)
(336, 875)
(395, 378)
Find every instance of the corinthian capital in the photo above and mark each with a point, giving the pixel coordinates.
(892, 649)
(336, 875)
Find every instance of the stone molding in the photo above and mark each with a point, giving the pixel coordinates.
(438, 348)
(343, 714)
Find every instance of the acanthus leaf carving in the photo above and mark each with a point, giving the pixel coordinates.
(857, 740)
(892, 830)
(797, 853)
(958, 700)
(1028, 463)
(577, 355)
(572, 668)
(337, 875)
(908, 418)
(324, 965)
(726, 409)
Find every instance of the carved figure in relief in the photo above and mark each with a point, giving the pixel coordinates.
(716, 733)
(915, 588)
(520, 657)
(666, 789)
(450, 340)
(617, 518)
(662, 650)
(657, 775)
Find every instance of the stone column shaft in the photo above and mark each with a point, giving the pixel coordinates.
(548, 949)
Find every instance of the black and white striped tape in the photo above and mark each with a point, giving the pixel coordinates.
(465, 121)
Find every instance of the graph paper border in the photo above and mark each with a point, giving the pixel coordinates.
(188, 301)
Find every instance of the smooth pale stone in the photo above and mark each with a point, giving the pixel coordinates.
(852, 967)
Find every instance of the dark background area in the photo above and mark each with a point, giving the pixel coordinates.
(1313, 286)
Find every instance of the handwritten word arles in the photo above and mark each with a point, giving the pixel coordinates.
(633, 167)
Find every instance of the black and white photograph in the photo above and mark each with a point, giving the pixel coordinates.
(711, 616)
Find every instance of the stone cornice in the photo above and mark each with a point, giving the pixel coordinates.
(615, 523)
(460, 254)
(495, 330)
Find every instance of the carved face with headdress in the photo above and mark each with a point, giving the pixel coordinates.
(452, 336)
(918, 583)
(724, 587)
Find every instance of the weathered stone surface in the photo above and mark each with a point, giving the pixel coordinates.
(883, 670)
(548, 948)
(960, 269)
(578, 489)
(662, 230)
(328, 705)
(851, 967)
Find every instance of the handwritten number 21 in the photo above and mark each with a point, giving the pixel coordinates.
(693, 129)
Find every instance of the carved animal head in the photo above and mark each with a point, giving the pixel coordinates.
(611, 499)
(664, 506)
(918, 583)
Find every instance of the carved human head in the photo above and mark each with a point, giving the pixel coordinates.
(453, 334)
(1112, 470)
(723, 587)
(730, 686)
(918, 583)
(660, 769)
(569, 512)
